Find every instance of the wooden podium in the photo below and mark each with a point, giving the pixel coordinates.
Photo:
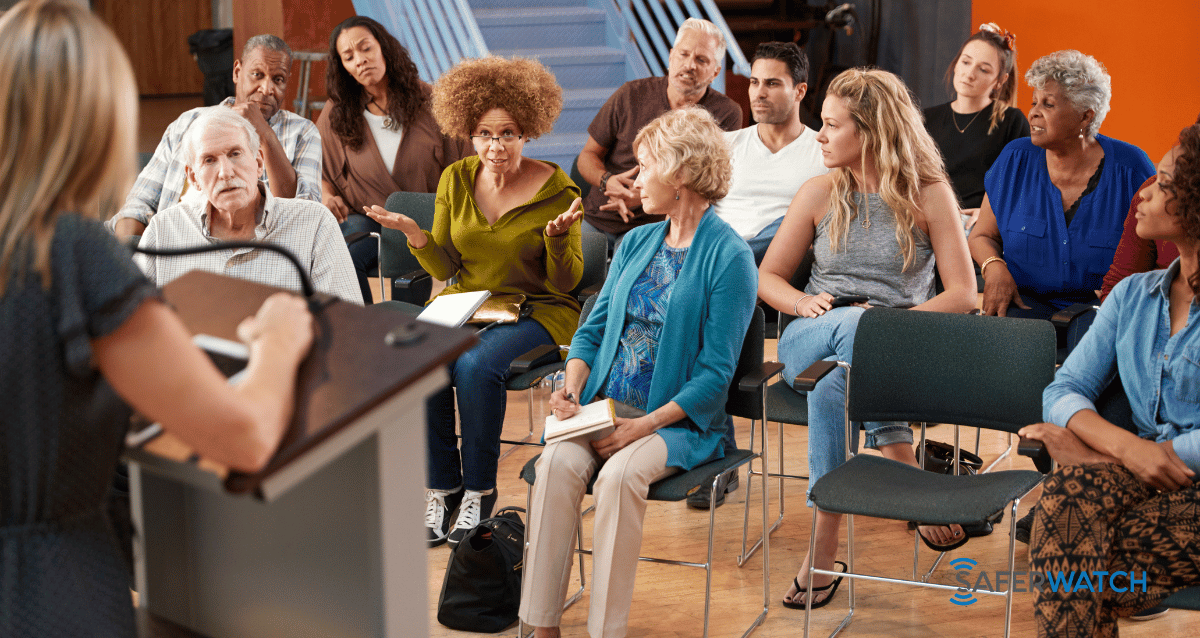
(328, 540)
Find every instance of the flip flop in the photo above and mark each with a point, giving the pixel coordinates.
(949, 546)
(832, 587)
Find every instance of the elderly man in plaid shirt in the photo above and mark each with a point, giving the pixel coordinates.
(291, 143)
(228, 201)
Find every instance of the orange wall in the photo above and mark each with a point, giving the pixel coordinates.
(1149, 49)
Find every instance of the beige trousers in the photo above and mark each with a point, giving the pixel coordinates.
(563, 472)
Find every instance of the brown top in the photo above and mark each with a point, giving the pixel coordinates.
(631, 107)
(361, 178)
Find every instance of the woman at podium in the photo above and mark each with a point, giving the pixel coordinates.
(78, 321)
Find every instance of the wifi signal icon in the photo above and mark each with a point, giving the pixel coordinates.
(964, 596)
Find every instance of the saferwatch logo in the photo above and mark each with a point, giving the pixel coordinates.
(1027, 581)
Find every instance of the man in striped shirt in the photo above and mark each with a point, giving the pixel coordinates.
(291, 144)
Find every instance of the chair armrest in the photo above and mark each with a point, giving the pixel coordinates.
(360, 235)
(753, 380)
(1038, 452)
(1064, 317)
(542, 355)
(807, 380)
(407, 280)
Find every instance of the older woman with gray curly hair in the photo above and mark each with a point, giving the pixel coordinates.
(679, 291)
(1054, 209)
(502, 223)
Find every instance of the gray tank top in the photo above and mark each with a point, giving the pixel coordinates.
(869, 261)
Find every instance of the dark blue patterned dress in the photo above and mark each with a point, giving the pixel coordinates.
(61, 432)
(633, 368)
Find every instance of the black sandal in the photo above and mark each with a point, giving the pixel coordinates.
(950, 546)
(832, 587)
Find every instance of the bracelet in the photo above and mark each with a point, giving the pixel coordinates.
(796, 306)
(989, 260)
(604, 179)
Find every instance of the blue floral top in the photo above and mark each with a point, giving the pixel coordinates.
(632, 370)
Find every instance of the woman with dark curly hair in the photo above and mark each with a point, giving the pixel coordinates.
(1123, 503)
(377, 134)
(502, 223)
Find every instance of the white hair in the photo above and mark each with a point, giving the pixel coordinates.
(1083, 80)
(220, 116)
(707, 28)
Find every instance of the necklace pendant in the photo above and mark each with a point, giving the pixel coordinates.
(387, 122)
(866, 223)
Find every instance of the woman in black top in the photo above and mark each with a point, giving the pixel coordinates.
(973, 129)
(81, 329)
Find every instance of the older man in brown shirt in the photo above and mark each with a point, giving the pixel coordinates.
(607, 161)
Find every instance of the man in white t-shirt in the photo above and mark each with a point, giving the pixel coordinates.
(771, 160)
(774, 157)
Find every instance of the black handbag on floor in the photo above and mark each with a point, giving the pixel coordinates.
(939, 458)
(482, 588)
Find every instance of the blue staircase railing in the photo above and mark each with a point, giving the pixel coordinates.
(653, 25)
(437, 33)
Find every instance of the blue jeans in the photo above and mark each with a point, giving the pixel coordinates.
(760, 242)
(479, 374)
(365, 252)
(831, 337)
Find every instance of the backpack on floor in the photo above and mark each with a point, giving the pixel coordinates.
(482, 588)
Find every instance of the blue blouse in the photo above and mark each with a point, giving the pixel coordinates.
(1160, 371)
(633, 369)
(1061, 264)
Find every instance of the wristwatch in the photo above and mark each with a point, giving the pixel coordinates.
(604, 179)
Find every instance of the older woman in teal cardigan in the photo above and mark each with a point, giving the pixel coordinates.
(664, 337)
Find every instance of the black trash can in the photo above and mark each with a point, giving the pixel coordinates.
(213, 51)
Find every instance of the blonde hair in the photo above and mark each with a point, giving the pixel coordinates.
(68, 105)
(690, 148)
(893, 135)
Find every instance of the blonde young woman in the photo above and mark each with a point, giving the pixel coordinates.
(972, 129)
(877, 223)
(78, 320)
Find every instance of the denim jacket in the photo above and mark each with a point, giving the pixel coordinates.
(1160, 372)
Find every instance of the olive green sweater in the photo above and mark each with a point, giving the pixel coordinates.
(512, 256)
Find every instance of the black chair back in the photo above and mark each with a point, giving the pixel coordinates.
(741, 403)
(595, 261)
(950, 368)
(395, 259)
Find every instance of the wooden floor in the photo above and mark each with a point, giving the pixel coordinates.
(668, 601)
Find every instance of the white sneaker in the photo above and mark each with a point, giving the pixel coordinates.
(439, 504)
(475, 507)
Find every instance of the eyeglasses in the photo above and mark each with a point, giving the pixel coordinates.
(503, 139)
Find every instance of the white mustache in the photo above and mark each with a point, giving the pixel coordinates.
(234, 182)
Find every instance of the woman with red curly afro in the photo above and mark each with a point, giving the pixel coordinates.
(502, 223)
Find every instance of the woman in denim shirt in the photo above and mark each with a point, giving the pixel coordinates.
(1126, 502)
